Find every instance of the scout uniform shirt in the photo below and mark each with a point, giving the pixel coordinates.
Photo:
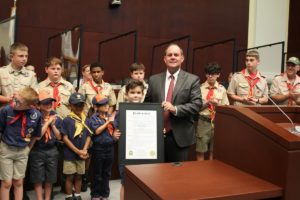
(218, 92)
(243, 85)
(18, 127)
(61, 91)
(90, 89)
(122, 94)
(12, 80)
(282, 85)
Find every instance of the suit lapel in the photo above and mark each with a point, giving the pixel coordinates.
(163, 85)
(179, 83)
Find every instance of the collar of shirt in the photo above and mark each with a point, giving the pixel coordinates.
(206, 85)
(12, 70)
(285, 79)
(62, 81)
(246, 73)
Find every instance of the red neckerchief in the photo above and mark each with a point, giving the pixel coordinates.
(55, 94)
(252, 80)
(110, 127)
(21, 115)
(94, 87)
(210, 106)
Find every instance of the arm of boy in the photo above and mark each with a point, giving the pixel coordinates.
(85, 148)
(45, 127)
(33, 141)
(116, 134)
(72, 147)
(55, 129)
(101, 128)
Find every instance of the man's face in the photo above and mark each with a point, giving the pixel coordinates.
(291, 69)
(138, 75)
(97, 74)
(54, 72)
(212, 78)
(135, 95)
(173, 58)
(251, 63)
(19, 58)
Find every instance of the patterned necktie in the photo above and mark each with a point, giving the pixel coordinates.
(169, 99)
(55, 94)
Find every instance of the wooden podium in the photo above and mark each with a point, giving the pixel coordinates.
(252, 147)
(257, 140)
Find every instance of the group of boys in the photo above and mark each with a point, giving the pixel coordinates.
(37, 116)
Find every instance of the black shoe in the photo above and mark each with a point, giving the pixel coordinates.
(78, 198)
(85, 182)
(69, 198)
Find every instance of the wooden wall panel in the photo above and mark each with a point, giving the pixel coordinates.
(206, 21)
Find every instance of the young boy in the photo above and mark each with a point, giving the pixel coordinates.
(19, 123)
(101, 124)
(135, 94)
(97, 86)
(76, 136)
(213, 94)
(44, 155)
(248, 87)
(137, 72)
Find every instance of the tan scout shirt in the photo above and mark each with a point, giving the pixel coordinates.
(240, 86)
(12, 80)
(122, 95)
(104, 88)
(280, 86)
(219, 93)
(65, 90)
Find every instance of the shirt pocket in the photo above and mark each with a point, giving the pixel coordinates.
(243, 88)
(65, 95)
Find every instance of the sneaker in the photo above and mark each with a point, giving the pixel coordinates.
(104, 198)
(96, 198)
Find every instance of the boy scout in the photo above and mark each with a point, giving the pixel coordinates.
(248, 87)
(97, 86)
(137, 72)
(213, 94)
(285, 89)
(15, 76)
(60, 89)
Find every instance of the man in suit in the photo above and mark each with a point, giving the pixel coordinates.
(179, 94)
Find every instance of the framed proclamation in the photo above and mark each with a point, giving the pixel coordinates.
(142, 138)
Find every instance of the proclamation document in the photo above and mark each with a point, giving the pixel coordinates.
(141, 134)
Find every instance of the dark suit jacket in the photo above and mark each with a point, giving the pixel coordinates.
(186, 98)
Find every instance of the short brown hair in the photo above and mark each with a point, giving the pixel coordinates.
(29, 95)
(53, 61)
(84, 67)
(253, 53)
(136, 66)
(17, 46)
(133, 84)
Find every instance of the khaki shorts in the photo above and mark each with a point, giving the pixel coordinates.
(13, 162)
(204, 135)
(74, 167)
